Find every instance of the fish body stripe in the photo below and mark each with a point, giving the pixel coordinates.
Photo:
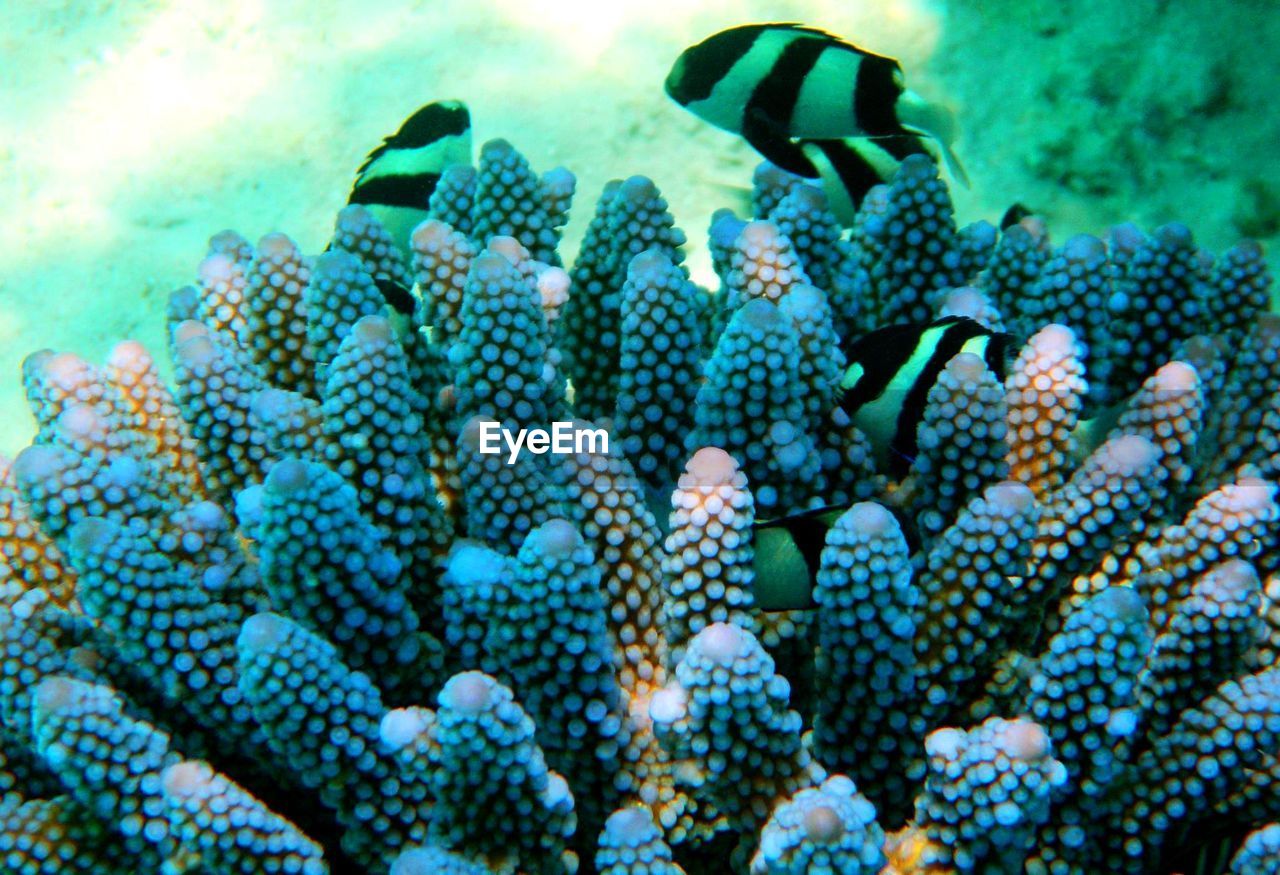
(824, 109)
(891, 366)
(810, 534)
(397, 178)
(411, 190)
(846, 175)
(788, 555)
(777, 95)
(705, 65)
(729, 101)
(963, 336)
(1012, 216)
(875, 96)
(997, 353)
(404, 169)
(410, 162)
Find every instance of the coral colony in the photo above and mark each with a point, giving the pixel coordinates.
(287, 616)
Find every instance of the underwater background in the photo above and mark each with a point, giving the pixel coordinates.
(130, 132)
(935, 541)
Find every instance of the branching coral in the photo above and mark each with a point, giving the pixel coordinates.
(294, 615)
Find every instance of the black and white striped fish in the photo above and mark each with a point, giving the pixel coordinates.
(885, 384)
(783, 85)
(889, 373)
(397, 178)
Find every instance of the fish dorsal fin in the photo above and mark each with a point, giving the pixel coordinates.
(810, 30)
(430, 122)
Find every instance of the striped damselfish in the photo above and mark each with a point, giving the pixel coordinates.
(884, 388)
(397, 178)
(810, 102)
(889, 373)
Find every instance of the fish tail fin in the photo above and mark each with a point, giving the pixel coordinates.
(954, 166)
(935, 122)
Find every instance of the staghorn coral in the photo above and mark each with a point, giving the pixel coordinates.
(289, 616)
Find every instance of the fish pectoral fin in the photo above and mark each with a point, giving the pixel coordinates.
(768, 138)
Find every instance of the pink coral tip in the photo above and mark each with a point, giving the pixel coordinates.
(400, 726)
(1249, 495)
(490, 266)
(966, 301)
(186, 778)
(430, 234)
(1129, 453)
(967, 367)
(1176, 377)
(759, 234)
(804, 301)
(65, 370)
(468, 692)
(668, 705)
(193, 348)
(129, 355)
(270, 404)
(556, 538)
(276, 246)
(709, 466)
(372, 330)
(509, 248)
(822, 824)
(946, 743)
(59, 693)
(35, 464)
(870, 518)
(720, 642)
(651, 263)
(81, 421)
(1024, 740)
(354, 217)
(1231, 581)
(216, 269)
(1011, 495)
(1055, 341)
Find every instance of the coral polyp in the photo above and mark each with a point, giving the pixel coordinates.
(290, 614)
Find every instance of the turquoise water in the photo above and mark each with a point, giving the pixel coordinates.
(131, 133)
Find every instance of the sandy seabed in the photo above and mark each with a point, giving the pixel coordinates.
(130, 132)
